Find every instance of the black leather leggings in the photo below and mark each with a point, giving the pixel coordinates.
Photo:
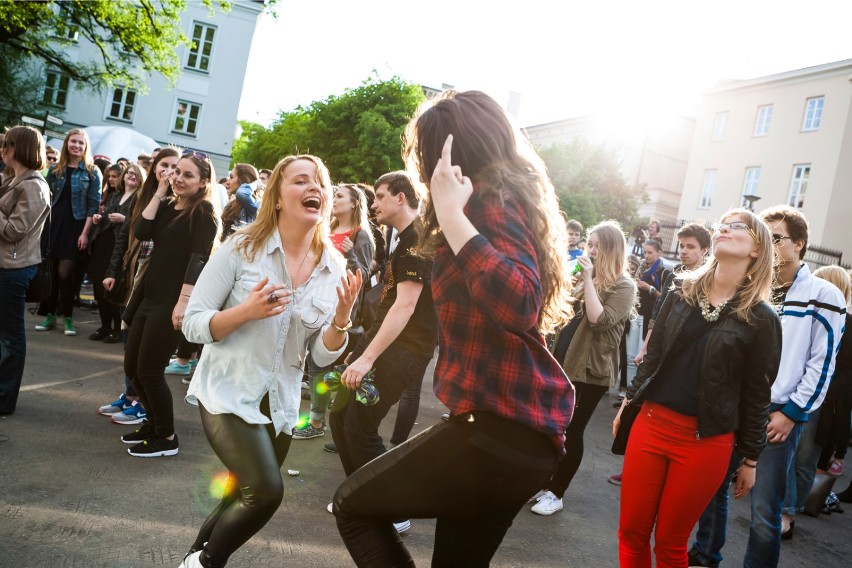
(253, 455)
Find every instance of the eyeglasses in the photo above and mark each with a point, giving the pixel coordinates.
(131, 174)
(51, 158)
(776, 239)
(735, 226)
(194, 154)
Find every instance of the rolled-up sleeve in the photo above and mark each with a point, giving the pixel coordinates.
(212, 290)
(319, 352)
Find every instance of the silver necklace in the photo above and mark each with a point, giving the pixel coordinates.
(706, 312)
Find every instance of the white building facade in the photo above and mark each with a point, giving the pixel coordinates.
(200, 112)
(785, 139)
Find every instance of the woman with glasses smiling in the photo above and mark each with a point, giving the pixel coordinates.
(704, 385)
(117, 205)
(184, 228)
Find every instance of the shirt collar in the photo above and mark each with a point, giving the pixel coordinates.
(273, 243)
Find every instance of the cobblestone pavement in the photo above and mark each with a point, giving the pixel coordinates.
(70, 496)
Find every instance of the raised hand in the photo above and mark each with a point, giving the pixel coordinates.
(449, 188)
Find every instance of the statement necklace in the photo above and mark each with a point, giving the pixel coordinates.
(707, 312)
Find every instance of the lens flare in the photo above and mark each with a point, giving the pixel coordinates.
(218, 484)
(322, 388)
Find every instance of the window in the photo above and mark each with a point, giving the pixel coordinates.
(764, 118)
(66, 27)
(752, 178)
(813, 113)
(56, 89)
(202, 47)
(799, 185)
(720, 127)
(122, 105)
(708, 189)
(186, 118)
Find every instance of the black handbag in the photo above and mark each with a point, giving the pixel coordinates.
(628, 417)
(42, 283)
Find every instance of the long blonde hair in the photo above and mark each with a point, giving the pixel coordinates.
(838, 276)
(611, 261)
(359, 218)
(62, 163)
(501, 163)
(255, 235)
(756, 286)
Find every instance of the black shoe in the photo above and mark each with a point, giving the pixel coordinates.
(155, 447)
(143, 433)
(698, 558)
(789, 534)
(99, 335)
(330, 448)
(845, 496)
(113, 338)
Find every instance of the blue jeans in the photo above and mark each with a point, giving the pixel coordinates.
(712, 525)
(767, 502)
(13, 340)
(800, 475)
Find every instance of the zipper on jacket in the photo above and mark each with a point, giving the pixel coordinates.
(14, 251)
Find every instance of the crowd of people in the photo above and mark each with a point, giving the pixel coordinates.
(732, 367)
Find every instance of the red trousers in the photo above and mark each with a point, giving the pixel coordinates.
(669, 478)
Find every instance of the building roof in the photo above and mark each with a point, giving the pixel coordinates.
(837, 67)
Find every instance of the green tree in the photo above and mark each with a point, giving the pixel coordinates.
(133, 39)
(357, 134)
(589, 185)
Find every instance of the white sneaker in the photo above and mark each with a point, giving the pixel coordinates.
(402, 527)
(547, 505)
(537, 497)
(192, 561)
(329, 508)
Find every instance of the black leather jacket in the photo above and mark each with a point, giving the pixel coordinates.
(738, 366)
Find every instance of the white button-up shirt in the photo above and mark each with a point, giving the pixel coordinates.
(262, 356)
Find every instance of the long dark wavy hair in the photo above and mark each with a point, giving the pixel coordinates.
(500, 162)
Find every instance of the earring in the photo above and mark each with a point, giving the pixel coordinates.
(278, 207)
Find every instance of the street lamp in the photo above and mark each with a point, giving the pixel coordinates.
(751, 199)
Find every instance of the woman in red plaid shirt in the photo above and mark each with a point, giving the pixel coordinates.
(499, 281)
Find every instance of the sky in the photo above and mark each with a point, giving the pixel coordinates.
(630, 59)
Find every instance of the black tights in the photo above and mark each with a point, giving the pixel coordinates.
(253, 455)
(110, 313)
(63, 290)
(587, 397)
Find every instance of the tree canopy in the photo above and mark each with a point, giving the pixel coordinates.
(133, 39)
(589, 184)
(357, 134)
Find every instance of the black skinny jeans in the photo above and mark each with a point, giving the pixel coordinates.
(151, 342)
(253, 455)
(354, 426)
(586, 400)
(110, 313)
(406, 412)
(473, 474)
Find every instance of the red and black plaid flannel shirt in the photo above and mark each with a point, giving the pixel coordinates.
(492, 356)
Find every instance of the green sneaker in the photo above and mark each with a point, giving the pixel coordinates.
(69, 327)
(48, 324)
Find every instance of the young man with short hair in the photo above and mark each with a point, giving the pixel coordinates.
(812, 314)
(575, 235)
(402, 341)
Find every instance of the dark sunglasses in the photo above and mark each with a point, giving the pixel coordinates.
(51, 158)
(194, 154)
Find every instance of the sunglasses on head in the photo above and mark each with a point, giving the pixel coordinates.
(194, 154)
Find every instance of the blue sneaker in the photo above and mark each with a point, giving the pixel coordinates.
(192, 362)
(133, 415)
(176, 368)
(116, 407)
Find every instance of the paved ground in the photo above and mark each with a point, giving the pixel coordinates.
(70, 496)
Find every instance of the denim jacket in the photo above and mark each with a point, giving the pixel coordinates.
(85, 190)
